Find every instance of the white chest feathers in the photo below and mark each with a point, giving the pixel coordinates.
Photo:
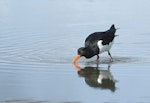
(104, 48)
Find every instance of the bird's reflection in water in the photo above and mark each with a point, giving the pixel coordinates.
(97, 78)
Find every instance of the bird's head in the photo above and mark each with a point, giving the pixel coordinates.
(83, 51)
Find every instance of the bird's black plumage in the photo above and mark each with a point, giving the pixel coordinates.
(106, 37)
(92, 47)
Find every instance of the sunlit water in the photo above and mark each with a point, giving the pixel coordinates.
(39, 38)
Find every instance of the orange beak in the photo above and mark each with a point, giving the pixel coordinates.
(75, 58)
(76, 67)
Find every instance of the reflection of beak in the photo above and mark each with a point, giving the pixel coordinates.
(76, 66)
(75, 58)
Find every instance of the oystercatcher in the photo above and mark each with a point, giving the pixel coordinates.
(97, 43)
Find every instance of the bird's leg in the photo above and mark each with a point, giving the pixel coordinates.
(110, 56)
(97, 57)
(109, 65)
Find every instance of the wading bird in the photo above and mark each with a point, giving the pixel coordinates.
(97, 43)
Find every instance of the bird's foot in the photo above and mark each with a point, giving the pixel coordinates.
(111, 60)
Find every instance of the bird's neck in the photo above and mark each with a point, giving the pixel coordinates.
(89, 53)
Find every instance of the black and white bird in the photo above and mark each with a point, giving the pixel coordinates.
(97, 43)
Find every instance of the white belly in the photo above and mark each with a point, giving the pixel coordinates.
(104, 74)
(104, 48)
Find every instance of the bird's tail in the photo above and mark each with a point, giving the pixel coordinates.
(112, 29)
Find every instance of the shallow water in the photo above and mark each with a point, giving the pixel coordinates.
(38, 40)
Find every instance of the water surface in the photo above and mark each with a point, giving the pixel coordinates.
(38, 40)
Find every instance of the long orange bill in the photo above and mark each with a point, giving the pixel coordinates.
(76, 58)
(76, 66)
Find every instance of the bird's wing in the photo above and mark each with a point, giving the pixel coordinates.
(91, 41)
(107, 39)
(93, 38)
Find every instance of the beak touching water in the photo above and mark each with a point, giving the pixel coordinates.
(76, 67)
(75, 58)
